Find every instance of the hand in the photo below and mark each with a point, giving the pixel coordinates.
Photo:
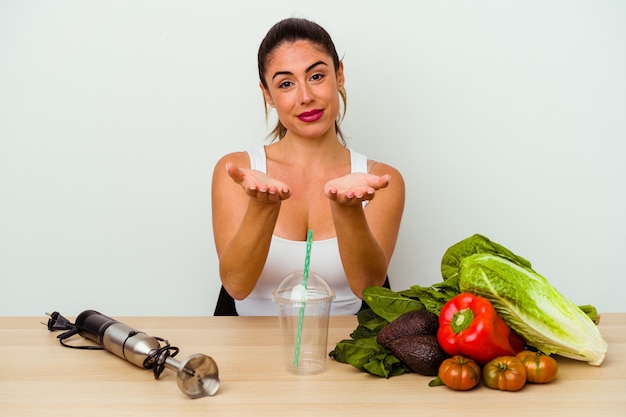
(355, 188)
(258, 185)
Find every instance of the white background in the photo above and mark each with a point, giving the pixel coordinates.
(506, 118)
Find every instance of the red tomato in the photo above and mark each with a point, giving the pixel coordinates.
(459, 373)
(506, 373)
(540, 368)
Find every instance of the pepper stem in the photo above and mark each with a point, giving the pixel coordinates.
(461, 320)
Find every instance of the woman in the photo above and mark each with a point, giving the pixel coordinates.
(266, 199)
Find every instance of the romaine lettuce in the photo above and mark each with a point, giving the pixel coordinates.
(532, 307)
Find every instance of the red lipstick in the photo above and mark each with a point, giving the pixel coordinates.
(311, 116)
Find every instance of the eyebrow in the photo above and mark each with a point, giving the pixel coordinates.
(309, 68)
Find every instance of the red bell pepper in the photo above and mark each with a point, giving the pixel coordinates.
(470, 326)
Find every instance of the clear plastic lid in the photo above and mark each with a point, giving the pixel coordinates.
(291, 289)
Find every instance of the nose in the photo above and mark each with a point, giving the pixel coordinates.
(306, 94)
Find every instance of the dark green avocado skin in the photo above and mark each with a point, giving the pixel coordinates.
(412, 323)
(421, 353)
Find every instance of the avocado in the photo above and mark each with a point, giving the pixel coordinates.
(412, 323)
(421, 353)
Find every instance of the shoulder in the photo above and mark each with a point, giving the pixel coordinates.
(381, 168)
(397, 186)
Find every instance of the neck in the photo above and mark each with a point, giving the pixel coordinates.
(317, 152)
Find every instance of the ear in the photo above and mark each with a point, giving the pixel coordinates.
(340, 76)
(266, 95)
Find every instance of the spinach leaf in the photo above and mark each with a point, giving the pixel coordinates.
(367, 355)
(435, 296)
(432, 299)
(389, 304)
(369, 324)
(363, 351)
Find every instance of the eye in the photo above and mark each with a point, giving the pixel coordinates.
(317, 76)
(285, 84)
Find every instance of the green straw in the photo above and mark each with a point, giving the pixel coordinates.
(305, 279)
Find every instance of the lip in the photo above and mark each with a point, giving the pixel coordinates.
(311, 116)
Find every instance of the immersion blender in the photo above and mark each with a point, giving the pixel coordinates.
(197, 376)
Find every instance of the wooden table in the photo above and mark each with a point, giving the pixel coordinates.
(39, 377)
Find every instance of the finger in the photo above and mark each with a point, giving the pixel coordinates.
(331, 193)
(384, 181)
(234, 172)
(284, 193)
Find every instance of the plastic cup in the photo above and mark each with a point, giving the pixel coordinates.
(303, 316)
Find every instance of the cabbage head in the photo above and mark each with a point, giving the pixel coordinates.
(532, 307)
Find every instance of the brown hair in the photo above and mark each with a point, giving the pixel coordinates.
(291, 30)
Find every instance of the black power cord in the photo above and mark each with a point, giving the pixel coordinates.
(156, 359)
(56, 322)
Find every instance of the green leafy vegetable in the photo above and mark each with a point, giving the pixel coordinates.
(368, 356)
(369, 324)
(363, 351)
(389, 304)
(592, 312)
(437, 295)
(533, 308)
(452, 258)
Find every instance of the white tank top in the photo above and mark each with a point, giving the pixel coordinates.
(286, 256)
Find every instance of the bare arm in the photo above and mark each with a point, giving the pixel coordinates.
(243, 222)
(367, 237)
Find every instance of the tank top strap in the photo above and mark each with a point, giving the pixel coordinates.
(358, 161)
(257, 158)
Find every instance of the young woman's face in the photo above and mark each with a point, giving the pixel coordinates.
(303, 86)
